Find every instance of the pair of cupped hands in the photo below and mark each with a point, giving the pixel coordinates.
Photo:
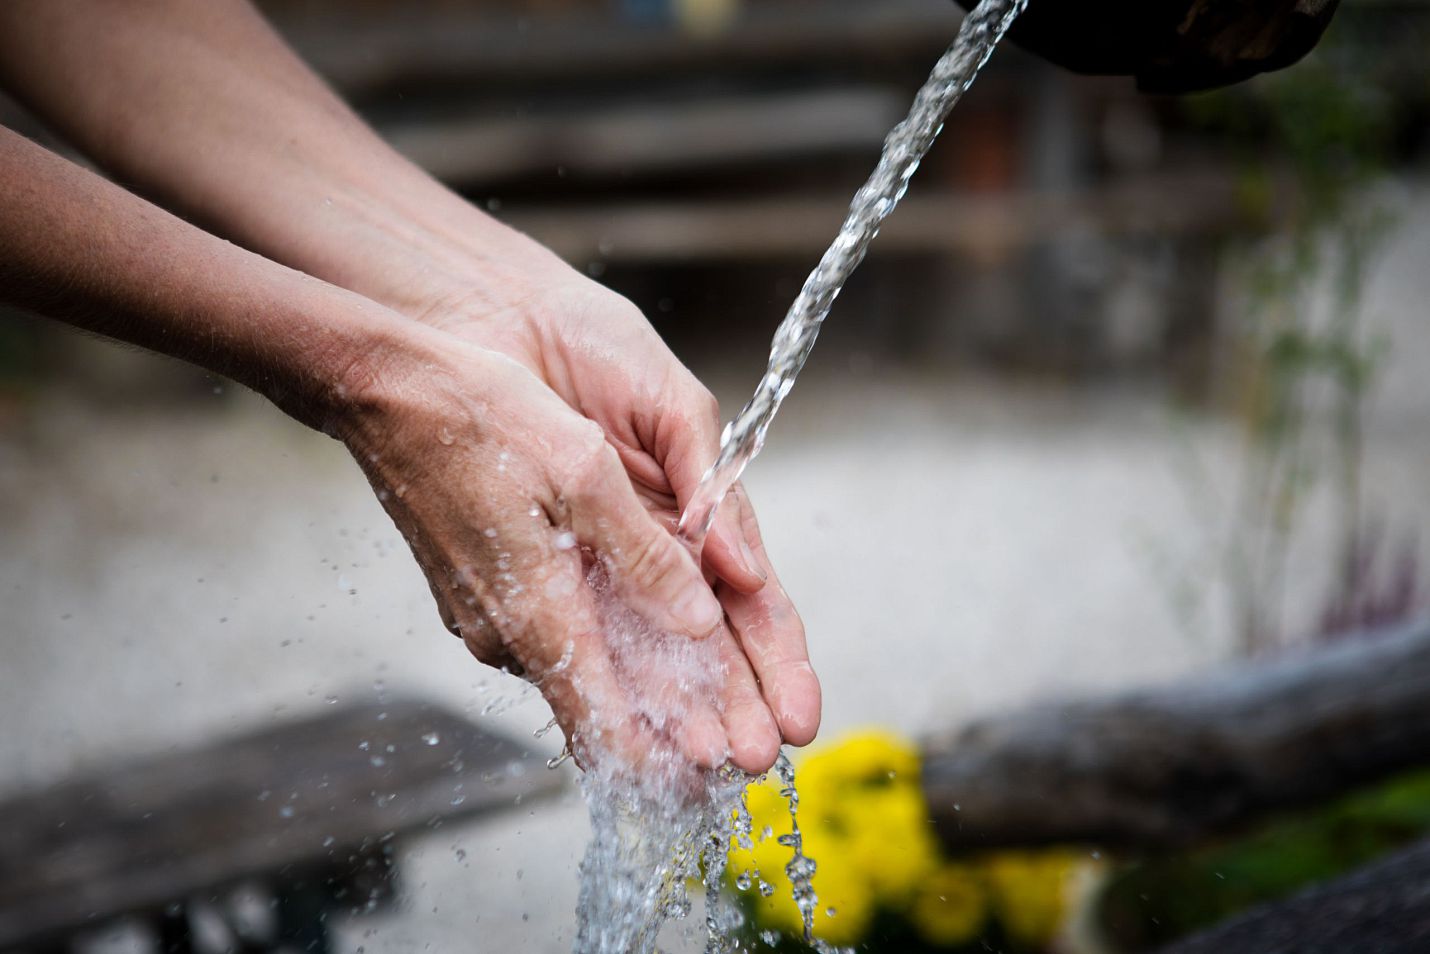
(521, 423)
(547, 428)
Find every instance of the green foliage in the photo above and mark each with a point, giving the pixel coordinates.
(1307, 365)
(1160, 899)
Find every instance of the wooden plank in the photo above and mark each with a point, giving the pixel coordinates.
(658, 136)
(1382, 908)
(310, 794)
(1166, 767)
(981, 226)
(481, 47)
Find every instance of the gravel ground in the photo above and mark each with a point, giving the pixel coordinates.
(956, 546)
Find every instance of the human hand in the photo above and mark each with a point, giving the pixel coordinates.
(507, 497)
(598, 353)
(267, 155)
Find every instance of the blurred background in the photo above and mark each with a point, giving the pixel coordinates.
(1130, 389)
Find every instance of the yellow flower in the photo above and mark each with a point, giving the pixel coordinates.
(1030, 892)
(838, 885)
(862, 758)
(891, 842)
(840, 889)
(768, 808)
(950, 906)
(865, 823)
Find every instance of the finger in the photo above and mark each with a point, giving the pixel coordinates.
(735, 529)
(754, 736)
(772, 635)
(649, 568)
(687, 445)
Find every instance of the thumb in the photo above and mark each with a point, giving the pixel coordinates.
(650, 569)
(688, 444)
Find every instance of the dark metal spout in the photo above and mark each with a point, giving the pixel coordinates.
(1172, 46)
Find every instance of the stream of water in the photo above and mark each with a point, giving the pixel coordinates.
(665, 826)
(904, 150)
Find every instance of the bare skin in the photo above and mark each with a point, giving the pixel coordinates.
(501, 404)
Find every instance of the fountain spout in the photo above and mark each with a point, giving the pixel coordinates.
(1172, 46)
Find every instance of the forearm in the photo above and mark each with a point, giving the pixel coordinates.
(78, 248)
(199, 104)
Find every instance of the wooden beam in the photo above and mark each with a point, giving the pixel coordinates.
(1168, 766)
(292, 800)
(654, 137)
(469, 44)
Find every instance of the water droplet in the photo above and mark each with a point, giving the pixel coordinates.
(432, 738)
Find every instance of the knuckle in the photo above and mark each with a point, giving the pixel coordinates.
(709, 404)
(627, 310)
(585, 459)
(698, 406)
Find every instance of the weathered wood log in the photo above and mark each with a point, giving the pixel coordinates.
(1167, 766)
(309, 801)
(1383, 908)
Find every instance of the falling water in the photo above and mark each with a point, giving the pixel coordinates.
(904, 150)
(654, 831)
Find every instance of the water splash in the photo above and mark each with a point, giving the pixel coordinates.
(653, 810)
(667, 824)
(904, 150)
(801, 868)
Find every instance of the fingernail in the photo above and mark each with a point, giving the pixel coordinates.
(697, 610)
(752, 562)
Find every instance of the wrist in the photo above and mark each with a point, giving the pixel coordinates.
(329, 370)
(408, 242)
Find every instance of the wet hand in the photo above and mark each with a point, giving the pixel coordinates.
(599, 354)
(509, 499)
